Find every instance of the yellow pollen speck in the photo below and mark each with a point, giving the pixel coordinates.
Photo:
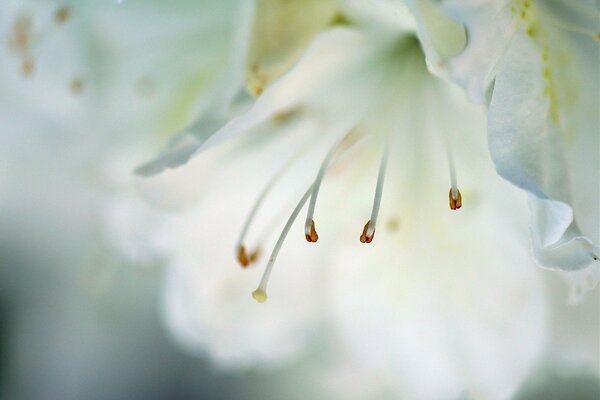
(598, 37)
(255, 82)
(259, 295)
(546, 73)
(284, 116)
(76, 86)
(20, 37)
(393, 224)
(27, 67)
(62, 15)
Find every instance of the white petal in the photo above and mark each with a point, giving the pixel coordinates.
(378, 14)
(489, 28)
(556, 239)
(446, 35)
(280, 32)
(530, 152)
(328, 80)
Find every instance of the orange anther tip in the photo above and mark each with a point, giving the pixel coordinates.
(242, 257)
(364, 238)
(312, 237)
(455, 203)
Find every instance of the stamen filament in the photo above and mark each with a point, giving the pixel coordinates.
(243, 258)
(369, 229)
(309, 224)
(260, 294)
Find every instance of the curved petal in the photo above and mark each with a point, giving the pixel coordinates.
(222, 103)
(489, 29)
(530, 150)
(330, 77)
(440, 33)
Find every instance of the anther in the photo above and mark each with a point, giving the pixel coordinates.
(246, 259)
(260, 294)
(242, 257)
(250, 218)
(312, 236)
(367, 233)
(369, 229)
(454, 195)
(309, 224)
(455, 199)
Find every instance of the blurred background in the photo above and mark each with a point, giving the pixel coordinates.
(88, 91)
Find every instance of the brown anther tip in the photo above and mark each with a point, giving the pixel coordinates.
(364, 238)
(455, 204)
(312, 237)
(242, 257)
(62, 15)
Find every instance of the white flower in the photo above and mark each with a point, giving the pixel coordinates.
(357, 106)
(536, 64)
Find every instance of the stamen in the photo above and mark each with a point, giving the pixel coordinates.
(246, 259)
(454, 195)
(364, 238)
(260, 294)
(369, 229)
(240, 248)
(309, 224)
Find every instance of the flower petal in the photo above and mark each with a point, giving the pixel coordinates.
(489, 28)
(447, 36)
(280, 32)
(529, 151)
(328, 79)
